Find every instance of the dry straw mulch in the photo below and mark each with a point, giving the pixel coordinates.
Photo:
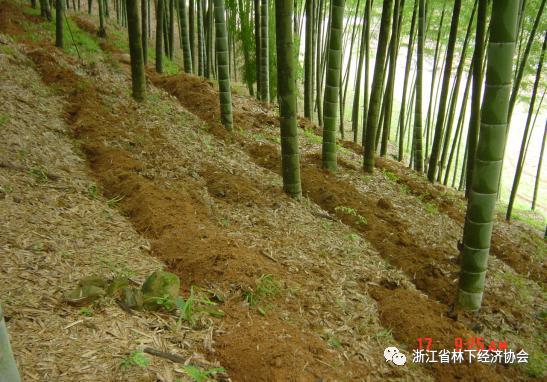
(56, 229)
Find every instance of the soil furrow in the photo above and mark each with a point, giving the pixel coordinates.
(382, 229)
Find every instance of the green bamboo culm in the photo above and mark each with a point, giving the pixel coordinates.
(525, 139)
(187, 57)
(438, 137)
(8, 368)
(290, 159)
(144, 31)
(417, 139)
(308, 61)
(331, 98)
(474, 120)
(135, 49)
(59, 43)
(201, 39)
(377, 85)
(159, 36)
(102, 29)
(223, 65)
(483, 194)
(264, 53)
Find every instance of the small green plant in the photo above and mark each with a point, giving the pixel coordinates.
(93, 192)
(87, 312)
(6, 189)
(391, 176)
(114, 201)
(405, 189)
(431, 208)
(4, 118)
(311, 136)
(198, 301)
(353, 237)
(267, 287)
(225, 222)
(135, 358)
(334, 342)
(40, 174)
(166, 302)
(200, 375)
(359, 219)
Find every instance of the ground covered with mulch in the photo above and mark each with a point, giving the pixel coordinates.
(310, 290)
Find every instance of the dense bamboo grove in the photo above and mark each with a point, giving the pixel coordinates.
(406, 78)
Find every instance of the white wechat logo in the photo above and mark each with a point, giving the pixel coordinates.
(392, 354)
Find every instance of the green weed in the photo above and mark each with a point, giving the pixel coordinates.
(200, 375)
(39, 173)
(359, 219)
(87, 312)
(353, 237)
(93, 192)
(135, 358)
(4, 118)
(6, 189)
(390, 176)
(114, 201)
(312, 137)
(267, 287)
(431, 208)
(197, 302)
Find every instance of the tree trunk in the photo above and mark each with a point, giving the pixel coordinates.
(520, 162)
(225, 92)
(59, 43)
(334, 64)
(430, 109)
(159, 36)
(474, 122)
(368, 18)
(257, 46)
(245, 43)
(538, 173)
(454, 101)
(135, 49)
(358, 79)
(308, 61)
(410, 48)
(144, 35)
(45, 11)
(171, 21)
(319, 63)
(377, 81)
(102, 28)
(494, 118)
(520, 73)
(264, 74)
(191, 33)
(187, 57)
(345, 82)
(388, 97)
(417, 140)
(437, 140)
(287, 99)
(208, 41)
(459, 128)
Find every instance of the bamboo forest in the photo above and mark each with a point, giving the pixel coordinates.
(273, 190)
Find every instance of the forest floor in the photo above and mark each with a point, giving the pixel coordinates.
(312, 290)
